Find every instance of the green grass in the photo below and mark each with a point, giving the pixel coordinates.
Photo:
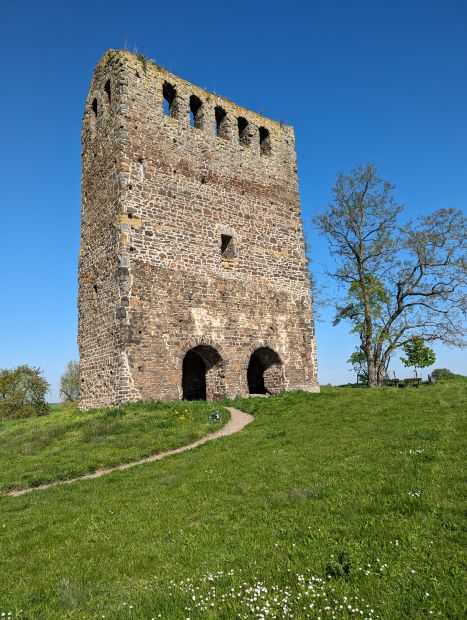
(360, 490)
(69, 442)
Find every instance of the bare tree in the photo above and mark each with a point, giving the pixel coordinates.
(399, 280)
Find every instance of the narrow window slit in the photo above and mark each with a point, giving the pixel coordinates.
(264, 141)
(169, 94)
(107, 90)
(93, 117)
(243, 131)
(221, 122)
(195, 112)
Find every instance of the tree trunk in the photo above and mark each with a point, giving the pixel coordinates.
(376, 373)
(372, 374)
(381, 374)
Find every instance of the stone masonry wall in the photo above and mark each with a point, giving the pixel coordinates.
(191, 240)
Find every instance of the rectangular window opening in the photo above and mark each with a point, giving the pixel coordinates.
(227, 246)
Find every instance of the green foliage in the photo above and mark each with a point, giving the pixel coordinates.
(340, 566)
(366, 484)
(377, 297)
(444, 374)
(417, 354)
(69, 382)
(359, 364)
(22, 392)
(396, 280)
(317, 296)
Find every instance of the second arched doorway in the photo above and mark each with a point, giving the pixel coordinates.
(265, 372)
(203, 374)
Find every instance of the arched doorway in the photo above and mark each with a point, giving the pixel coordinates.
(203, 374)
(265, 373)
(194, 377)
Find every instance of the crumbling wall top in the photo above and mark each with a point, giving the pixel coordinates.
(151, 70)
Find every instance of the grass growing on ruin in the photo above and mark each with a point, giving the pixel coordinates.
(69, 442)
(325, 506)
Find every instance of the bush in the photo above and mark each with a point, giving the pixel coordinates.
(444, 373)
(22, 392)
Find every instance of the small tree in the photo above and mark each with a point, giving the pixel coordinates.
(418, 354)
(359, 365)
(69, 382)
(22, 392)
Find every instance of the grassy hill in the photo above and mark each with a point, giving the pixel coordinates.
(69, 442)
(342, 504)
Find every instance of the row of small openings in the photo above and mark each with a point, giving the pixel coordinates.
(197, 119)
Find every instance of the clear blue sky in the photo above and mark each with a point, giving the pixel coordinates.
(360, 81)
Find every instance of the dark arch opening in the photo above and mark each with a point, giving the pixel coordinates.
(243, 131)
(264, 141)
(195, 112)
(194, 377)
(255, 375)
(265, 373)
(107, 91)
(169, 93)
(221, 118)
(203, 374)
(93, 117)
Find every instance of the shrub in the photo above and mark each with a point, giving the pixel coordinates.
(22, 392)
(444, 373)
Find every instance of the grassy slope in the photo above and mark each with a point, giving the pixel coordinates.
(319, 483)
(69, 442)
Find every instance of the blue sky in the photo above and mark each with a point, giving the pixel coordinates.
(360, 81)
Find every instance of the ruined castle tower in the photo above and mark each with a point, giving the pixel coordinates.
(193, 281)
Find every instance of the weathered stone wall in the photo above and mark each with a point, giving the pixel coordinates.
(159, 274)
(99, 290)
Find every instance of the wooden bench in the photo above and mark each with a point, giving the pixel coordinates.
(392, 382)
(414, 382)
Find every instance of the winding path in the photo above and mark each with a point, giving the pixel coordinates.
(238, 420)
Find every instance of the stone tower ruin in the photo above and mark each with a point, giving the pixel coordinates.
(193, 281)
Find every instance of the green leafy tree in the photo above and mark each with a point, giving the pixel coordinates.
(394, 280)
(417, 354)
(69, 382)
(444, 373)
(359, 365)
(22, 392)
